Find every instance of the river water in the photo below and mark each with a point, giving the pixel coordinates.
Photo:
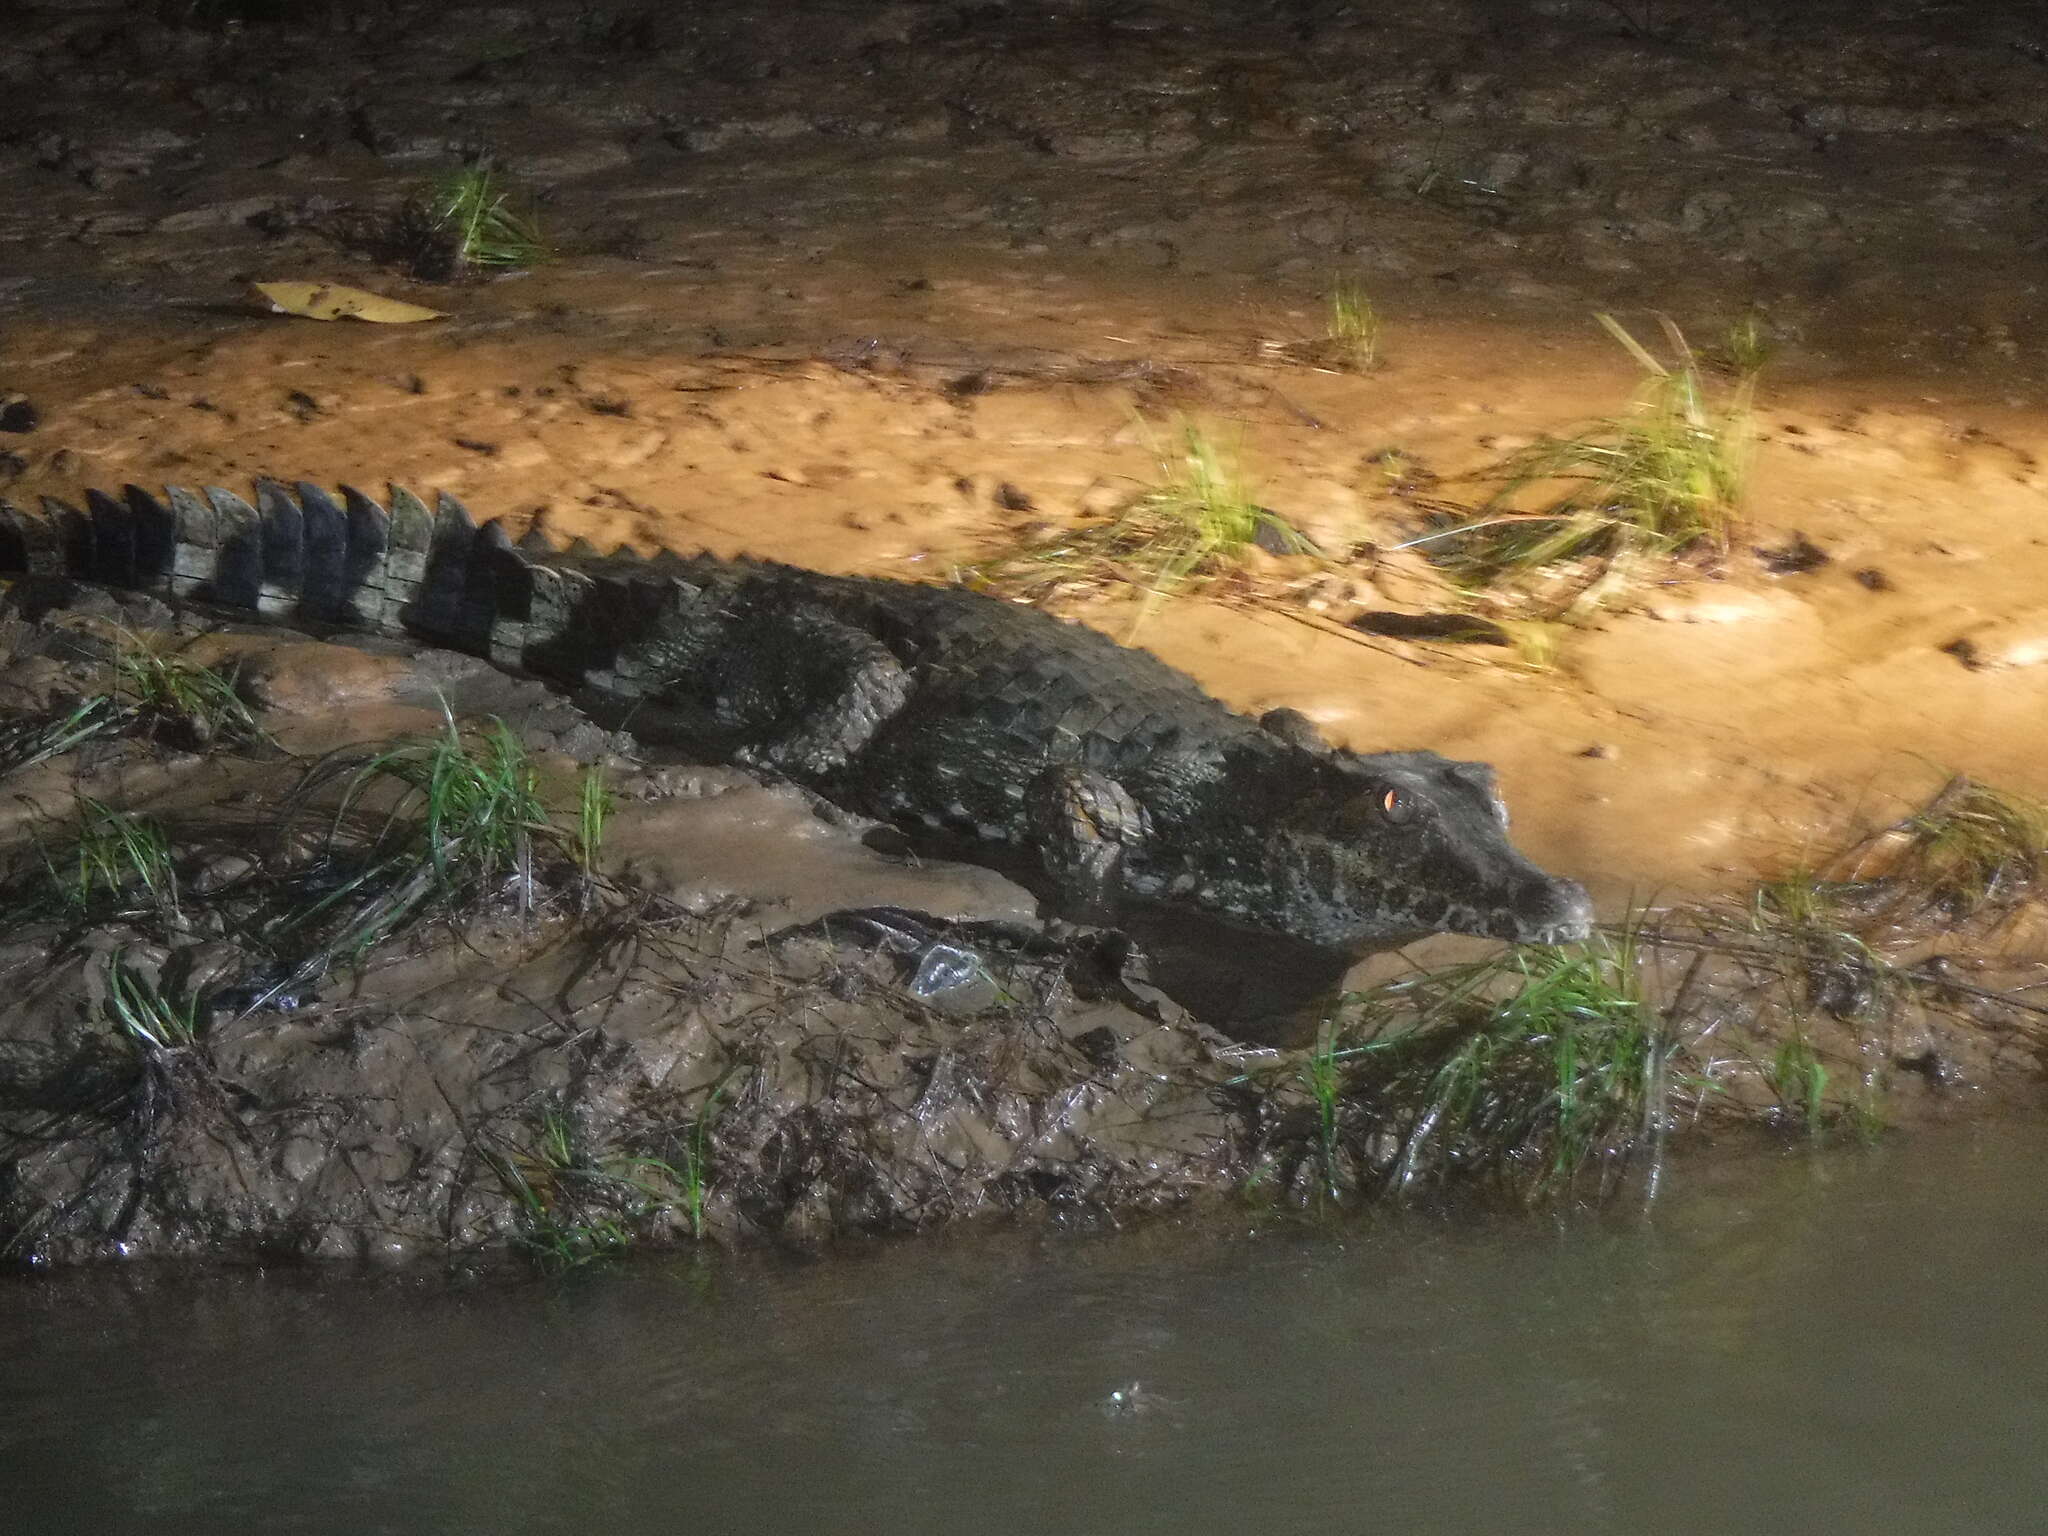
(1852, 1340)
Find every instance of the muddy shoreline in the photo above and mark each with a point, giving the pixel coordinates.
(257, 1013)
(893, 288)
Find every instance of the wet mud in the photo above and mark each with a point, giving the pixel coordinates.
(889, 288)
(240, 1025)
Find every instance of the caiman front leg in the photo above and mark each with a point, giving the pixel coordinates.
(1084, 822)
(803, 692)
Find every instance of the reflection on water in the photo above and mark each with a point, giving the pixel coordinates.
(1846, 1342)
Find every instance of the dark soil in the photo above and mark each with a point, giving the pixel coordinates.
(885, 287)
(570, 1060)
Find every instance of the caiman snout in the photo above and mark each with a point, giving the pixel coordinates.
(1548, 911)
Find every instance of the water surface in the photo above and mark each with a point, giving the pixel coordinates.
(1851, 1341)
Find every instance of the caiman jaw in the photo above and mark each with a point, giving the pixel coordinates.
(1548, 911)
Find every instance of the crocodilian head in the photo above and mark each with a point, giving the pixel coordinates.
(1395, 845)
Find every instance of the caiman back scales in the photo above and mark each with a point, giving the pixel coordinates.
(932, 707)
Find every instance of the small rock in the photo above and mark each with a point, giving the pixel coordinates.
(1453, 628)
(1100, 1045)
(1276, 536)
(1794, 558)
(1939, 1070)
(2002, 645)
(221, 215)
(219, 871)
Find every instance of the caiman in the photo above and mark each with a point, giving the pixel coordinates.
(932, 707)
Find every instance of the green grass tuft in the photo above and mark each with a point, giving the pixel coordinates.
(1351, 330)
(469, 804)
(171, 696)
(1975, 847)
(577, 1207)
(1799, 1080)
(1797, 899)
(27, 742)
(151, 693)
(457, 827)
(1203, 509)
(1663, 480)
(1518, 1071)
(1324, 1079)
(694, 1179)
(1189, 527)
(1821, 942)
(148, 1015)
(594, 805)
(550, 1181)
(474, 217)
(114, 862)
(1747, 347)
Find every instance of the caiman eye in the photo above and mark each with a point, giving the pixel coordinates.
(1376, 807)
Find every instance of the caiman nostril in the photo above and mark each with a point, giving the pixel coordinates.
(1554, 912)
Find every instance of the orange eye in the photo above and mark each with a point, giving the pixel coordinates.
(1395, 806)
(1375, 806)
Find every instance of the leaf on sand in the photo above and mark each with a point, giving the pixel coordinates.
(331, 301)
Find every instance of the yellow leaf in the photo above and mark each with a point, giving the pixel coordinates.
(331, 301)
